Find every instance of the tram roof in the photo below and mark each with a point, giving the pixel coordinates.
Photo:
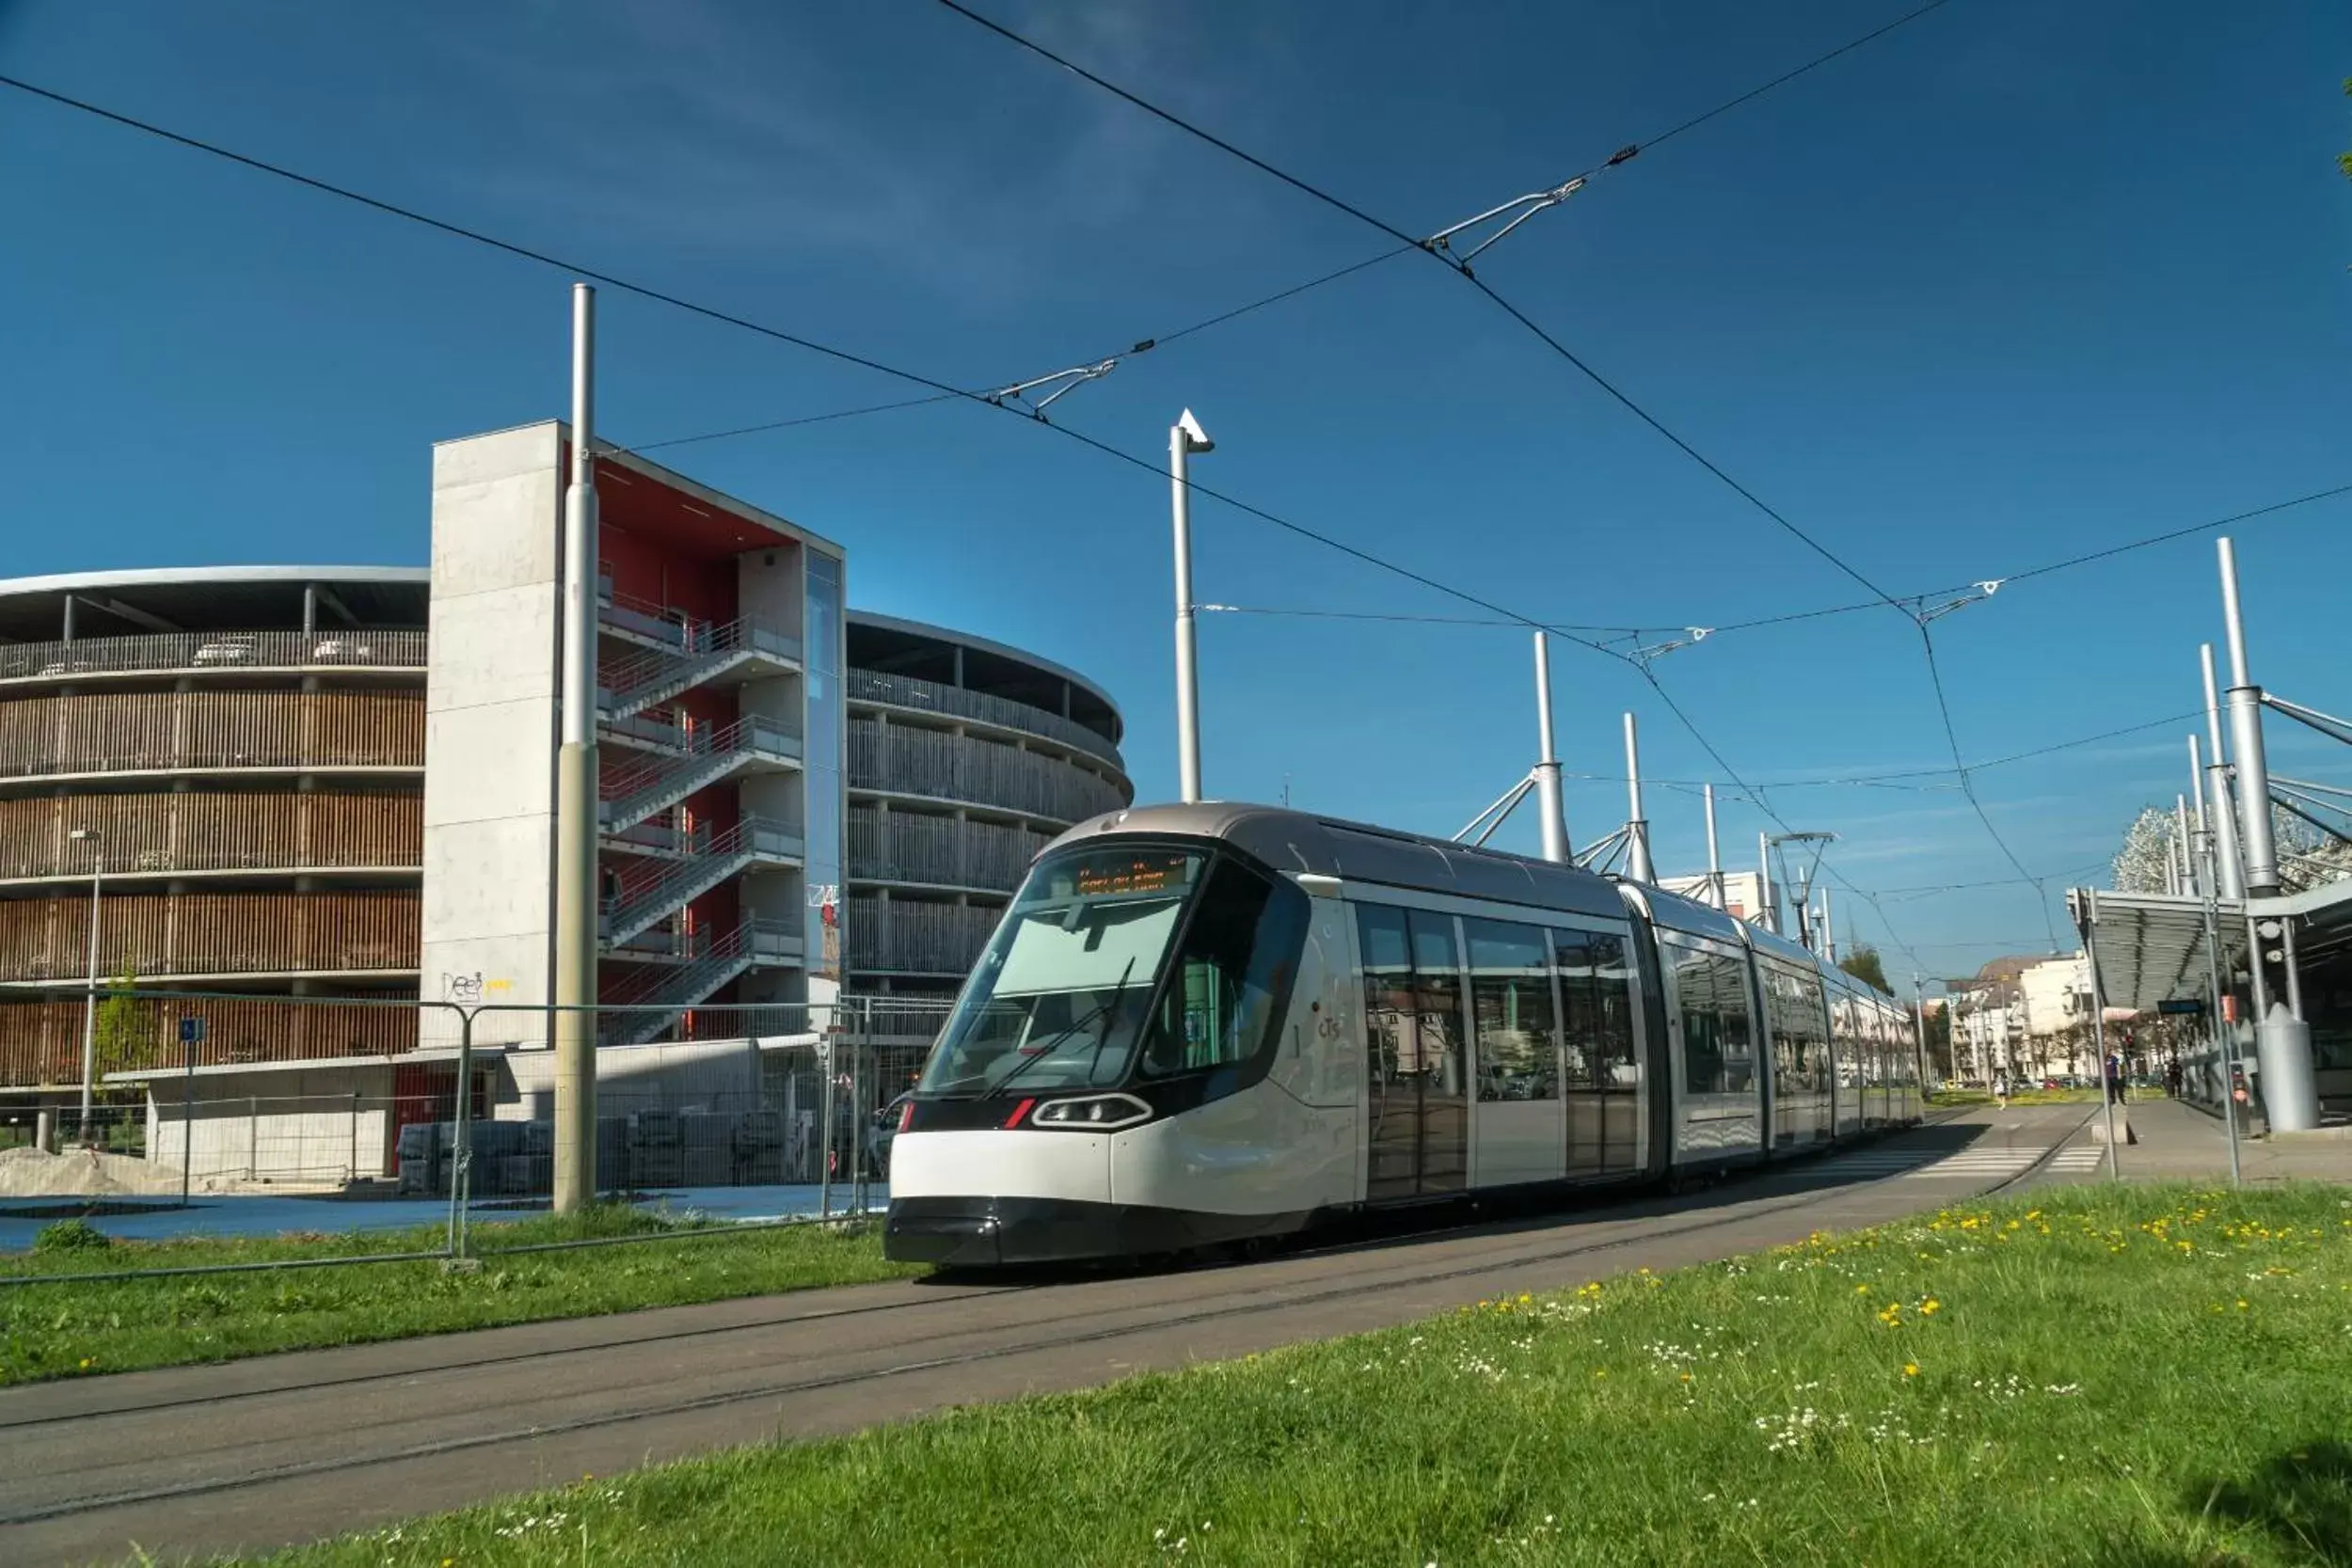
(1298, 841)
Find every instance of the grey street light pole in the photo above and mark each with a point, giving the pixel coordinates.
(89, 996)
(575, 991)
(1184, 438)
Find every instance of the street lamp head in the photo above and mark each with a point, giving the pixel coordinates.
(1196, 439)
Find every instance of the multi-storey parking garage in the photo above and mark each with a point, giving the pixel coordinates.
(966, 758)
(237, 755)
(224, 762)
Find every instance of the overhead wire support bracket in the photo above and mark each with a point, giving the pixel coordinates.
(1441, 243)
(2335, 729)
(1984, 590)
(1488, 821)
(1602, 852)
(1075, 376)
(1645, 656)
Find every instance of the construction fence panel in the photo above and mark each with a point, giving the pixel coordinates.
(210, 1094)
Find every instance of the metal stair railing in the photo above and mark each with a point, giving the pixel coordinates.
(651, 889)
(651, 675)
(655, 999)
(629, 794)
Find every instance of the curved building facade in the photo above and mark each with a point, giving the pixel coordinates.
(235, 756)
(966, 756)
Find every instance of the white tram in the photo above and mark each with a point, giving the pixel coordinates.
(1215, 1024)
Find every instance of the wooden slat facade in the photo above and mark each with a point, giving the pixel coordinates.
(210, 831)
(128, 732)
(41, 1042)
(152, 936)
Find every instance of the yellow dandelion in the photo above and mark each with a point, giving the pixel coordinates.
(1931, 1306)
(1910, 1369)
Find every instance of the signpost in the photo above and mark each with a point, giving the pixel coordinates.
(2185, 1007)
(191, 1035)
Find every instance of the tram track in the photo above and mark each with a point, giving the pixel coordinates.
(794, 1314)
(1137, 1308)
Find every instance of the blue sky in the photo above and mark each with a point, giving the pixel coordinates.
(2015, 282)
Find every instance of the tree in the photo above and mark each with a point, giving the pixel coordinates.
(2307, 857)
(1863, 964)
(126, 1035)
(1939, 1041)
(2141, 864)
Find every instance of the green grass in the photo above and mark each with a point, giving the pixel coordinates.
(76, 1328)
(2134, 1376)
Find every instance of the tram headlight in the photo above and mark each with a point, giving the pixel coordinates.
(1093, 1112)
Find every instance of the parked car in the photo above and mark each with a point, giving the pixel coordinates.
(878, 1133)
(225, 650)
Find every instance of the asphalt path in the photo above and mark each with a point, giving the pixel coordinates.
(253, 1455)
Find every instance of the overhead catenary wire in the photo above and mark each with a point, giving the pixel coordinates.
(1149, 465)
(1718, 628)
(1436, 246)
(1607, 386)
(1406, 244)
(943, 392)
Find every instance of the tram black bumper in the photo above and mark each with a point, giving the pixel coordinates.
(1003, 1232)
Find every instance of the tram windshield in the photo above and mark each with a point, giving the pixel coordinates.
(1073, 992)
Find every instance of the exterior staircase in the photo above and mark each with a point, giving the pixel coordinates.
(664, 666)
(656, 998)
(652, 889)
(660, 779)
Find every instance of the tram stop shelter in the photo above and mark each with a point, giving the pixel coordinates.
(2150, 949)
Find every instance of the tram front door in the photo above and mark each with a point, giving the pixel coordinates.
(1417, 1141)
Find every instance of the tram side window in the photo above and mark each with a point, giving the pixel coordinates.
(1817, 1033)
(1800, 1040)
(1717, 1050)
(1437, 1001)
(1511, 1005)
(1412, 994)
(1612, 998)
(1232, 975)
(1388, 959)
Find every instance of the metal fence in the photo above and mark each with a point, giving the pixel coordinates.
(786, 1117)
(248, 651)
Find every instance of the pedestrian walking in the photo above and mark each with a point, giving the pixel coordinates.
(2001, 1089)
(2115, 1080)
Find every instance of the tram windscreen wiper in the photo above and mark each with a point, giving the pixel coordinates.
(1104, 1011)
(1110, 1016)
